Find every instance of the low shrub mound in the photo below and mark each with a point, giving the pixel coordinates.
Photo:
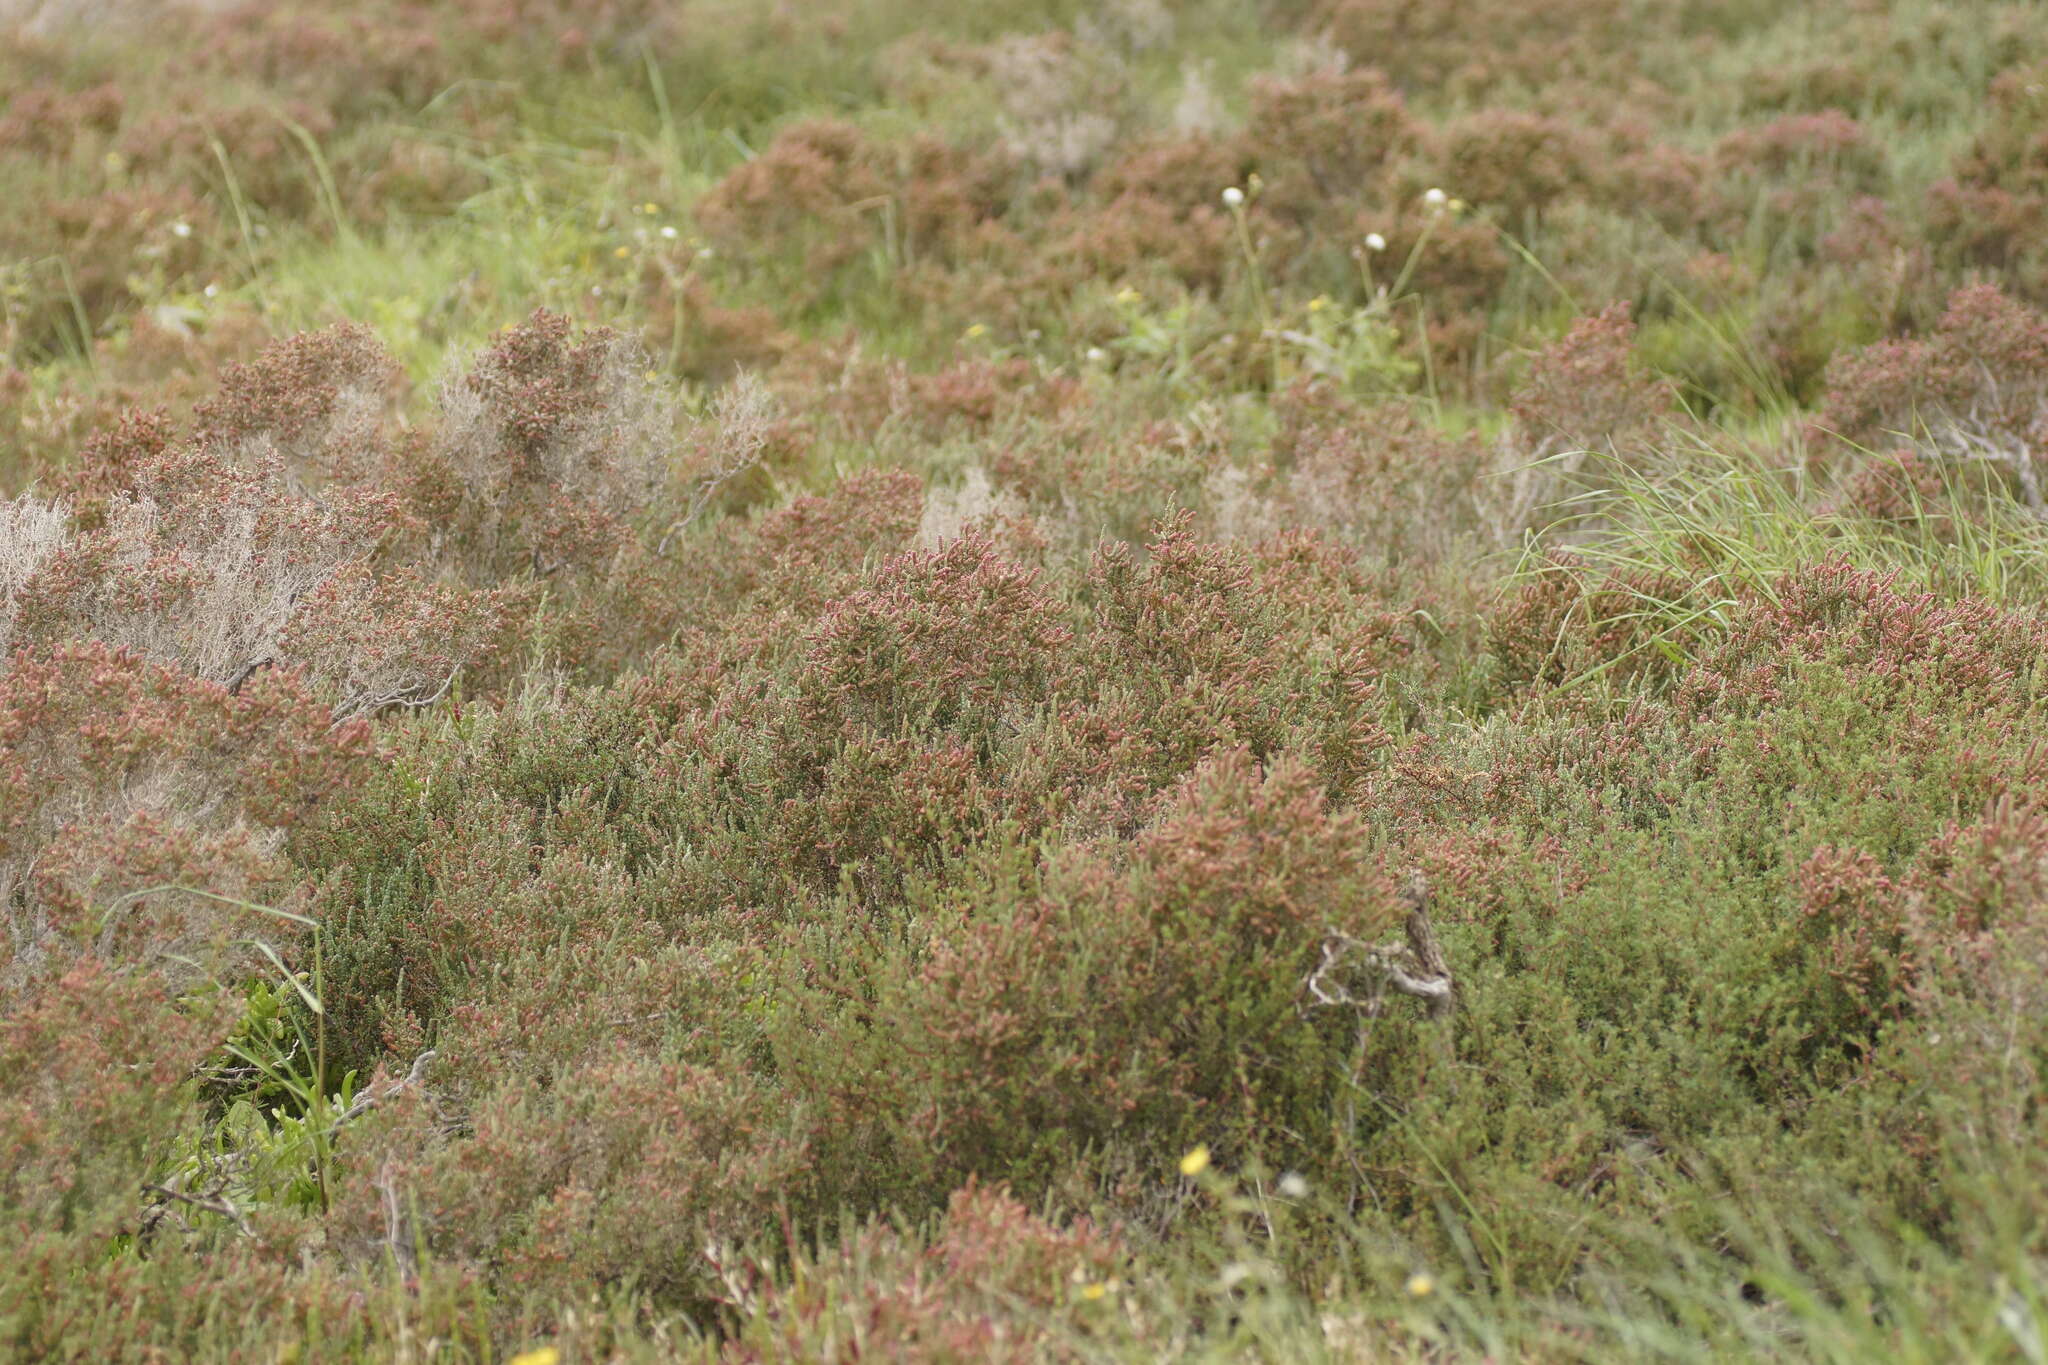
(1327, 681)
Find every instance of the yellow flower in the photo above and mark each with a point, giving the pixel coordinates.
(1195, 1162)
(1094, 1291)
(1128, 296)
(622, 253)
(650, 208)
(1318, 304)
(539, 1355)
(977, 330)
(1420, 1286)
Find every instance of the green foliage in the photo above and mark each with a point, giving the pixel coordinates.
(1344, 680)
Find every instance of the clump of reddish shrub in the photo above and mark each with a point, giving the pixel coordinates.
(825, 188)
(213, 563)
(954, 639)
(944, 791)
(136, 795)
(1975, 390)
(956, 1292)
(1101, 1005)
(548, 449)
(320, 400)
(1588, 391)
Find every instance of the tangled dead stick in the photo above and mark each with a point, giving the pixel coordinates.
(1357, 975)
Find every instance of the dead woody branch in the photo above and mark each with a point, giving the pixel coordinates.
(1358, 975)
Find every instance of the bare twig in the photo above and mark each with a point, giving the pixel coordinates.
(246, 672)
(214, 1200)
(386, 1185)
(1415, 967)
(740, 419)
(370, 1099)
(1435, 984)
(408, 697)
(1971, 436)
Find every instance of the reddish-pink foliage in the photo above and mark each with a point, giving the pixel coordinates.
(1828, 138)
(1519, 162)
(954, 1295)
(1386, 477)
(550, 450)
(1859, 617)
(46, 119)
(1562, 620)
(1587, 390)
(94, 1070)
(1130, 997)
(1902, 487)
(1985, 364)
(218, 568)
(811, 547)
(1472, 50)
(952, 637)
(1327, 140)
(2011, 154)
(111, 460)
(1984, 875)
(811, 173)
(320, 399)
(825, 184)
(118, 775)
(625, 1166)
(1859, 915)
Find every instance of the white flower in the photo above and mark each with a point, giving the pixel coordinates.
(1435, 197)
(1292, 1186)
(705, 253)
(669, 233)
(210, 290)
(1233, 197)
(181, 229)
(1375, 242)
(1096, 355)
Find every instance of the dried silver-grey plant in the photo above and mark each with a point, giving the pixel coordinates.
(732, 437)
